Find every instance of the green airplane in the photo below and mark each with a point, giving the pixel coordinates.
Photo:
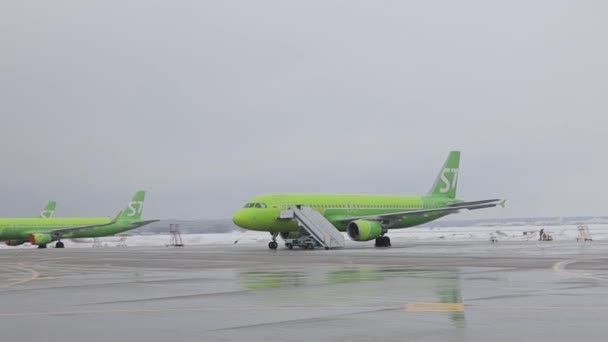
(362, 217)
(49, 210)
(42, 231)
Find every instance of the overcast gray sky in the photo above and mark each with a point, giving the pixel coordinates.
(208, 103)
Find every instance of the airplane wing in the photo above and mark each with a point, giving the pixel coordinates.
(58, 233)
(63, 231)
(449, 209)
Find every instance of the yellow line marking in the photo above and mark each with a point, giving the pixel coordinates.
(560, 268)
(288, 308)
(435, 307)
(34, 275)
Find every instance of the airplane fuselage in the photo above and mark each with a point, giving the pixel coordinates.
(262, 212)
(21, 228)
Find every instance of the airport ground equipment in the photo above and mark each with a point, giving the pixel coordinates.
(319, 229)
(102, 242)
(176, 236)
(122, 241)
(299, 239)
(544, 236)
(583, 233)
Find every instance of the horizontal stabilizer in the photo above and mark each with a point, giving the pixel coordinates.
(473, 203)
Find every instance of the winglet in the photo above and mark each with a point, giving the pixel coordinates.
(502, 203)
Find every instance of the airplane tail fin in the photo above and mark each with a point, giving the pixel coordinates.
(49, 210)
(447, 181)
(134, 209)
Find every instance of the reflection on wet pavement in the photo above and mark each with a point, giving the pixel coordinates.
(439, 287)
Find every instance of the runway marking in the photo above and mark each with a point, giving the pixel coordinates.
(198, 309)
(560, 267)
(275, 308)
(435, 307)
(34, 275)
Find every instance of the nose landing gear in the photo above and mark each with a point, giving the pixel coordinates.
(273, 244)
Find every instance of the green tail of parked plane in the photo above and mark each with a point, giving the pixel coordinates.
(49, 210)
(44, 230)
(362, 217)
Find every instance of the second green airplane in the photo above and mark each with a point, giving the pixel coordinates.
(362, 217)
(42, 231)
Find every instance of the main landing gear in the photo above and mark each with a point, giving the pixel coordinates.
(58, 244)
(273, 244)
(383, 241)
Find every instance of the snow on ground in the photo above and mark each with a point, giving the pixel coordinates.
(502, 233)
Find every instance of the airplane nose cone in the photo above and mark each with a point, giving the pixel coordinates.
(238, 219)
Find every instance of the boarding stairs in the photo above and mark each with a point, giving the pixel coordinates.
(315, 224)
(583, 233)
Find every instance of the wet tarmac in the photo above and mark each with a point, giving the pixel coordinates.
(444, 291)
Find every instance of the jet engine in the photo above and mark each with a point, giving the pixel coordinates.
(362, 230)
(15, 242)
(40, 238)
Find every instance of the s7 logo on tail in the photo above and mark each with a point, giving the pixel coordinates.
(135, 208)
(46, 214)
(444, 178)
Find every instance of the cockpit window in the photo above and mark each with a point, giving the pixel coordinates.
(255, 205)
